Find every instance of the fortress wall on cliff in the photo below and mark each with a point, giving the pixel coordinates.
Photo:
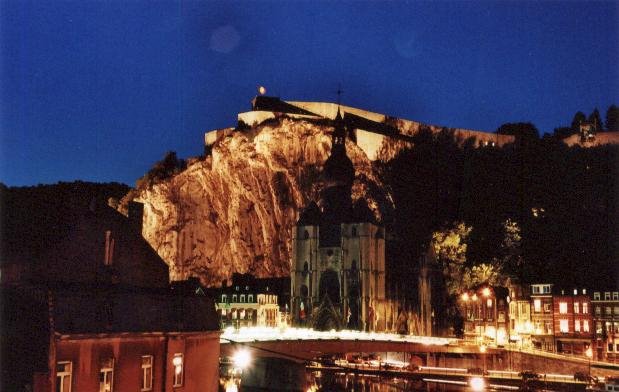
(372, 143)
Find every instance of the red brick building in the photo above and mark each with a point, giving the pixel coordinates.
(573, 324)
(87, 306)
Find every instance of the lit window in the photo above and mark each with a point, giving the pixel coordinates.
(585, 308)
(598, 327)
(549, 327)
(616, 310)
(598, 310)
(547, 308)
(576, 307)
(106, 375)
(563, 326)
(608, 310)
(63, 377)
(585, 325)
(563, 307)
(596, 296)
(535, 289)
(147, 373)
(177, 361)
(577, 325)
(575, 291)
(537, 305)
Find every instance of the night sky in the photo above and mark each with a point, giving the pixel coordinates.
(99, 91)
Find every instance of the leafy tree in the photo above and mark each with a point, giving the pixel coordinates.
(596, 120)
(523, 131)
(482, 274)
(169, 166)
(579, 118)
(563, 132)
(450, 248)
(612, 118)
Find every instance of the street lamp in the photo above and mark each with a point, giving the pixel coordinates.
(589, 354)
(482, 350)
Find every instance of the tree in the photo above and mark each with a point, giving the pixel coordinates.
(450, 248)
(578, 119)
(596, 120)
(612, 118)
(523, 131)
(563, 132)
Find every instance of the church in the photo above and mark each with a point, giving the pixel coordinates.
(338, 252)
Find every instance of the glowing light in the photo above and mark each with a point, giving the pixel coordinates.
(486, 291)
(262, 90)
(474, 297)
(477, 384)
(242, 359)
(482, 348)
(251, 334)
(177, 361)
(231, 386)
(465, 297)
(589, 353)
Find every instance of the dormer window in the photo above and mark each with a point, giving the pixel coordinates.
(242, 298)
(250, 298)
(234, 298)
(224, 298)
(607, 296)
(596, 296)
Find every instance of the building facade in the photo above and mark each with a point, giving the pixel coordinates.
(572, 322)
(105, 317)
(338, 252)
(542, 336)
(606, 321)
(247, 303)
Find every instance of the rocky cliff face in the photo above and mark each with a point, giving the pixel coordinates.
(234, 211)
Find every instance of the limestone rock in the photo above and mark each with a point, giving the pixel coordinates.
(234, 211)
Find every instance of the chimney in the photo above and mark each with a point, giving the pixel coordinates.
(135, 215)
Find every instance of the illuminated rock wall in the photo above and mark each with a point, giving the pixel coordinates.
(234, 211)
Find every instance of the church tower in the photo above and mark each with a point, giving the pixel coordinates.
(338, 250)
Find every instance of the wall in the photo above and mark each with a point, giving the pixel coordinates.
(200, 350)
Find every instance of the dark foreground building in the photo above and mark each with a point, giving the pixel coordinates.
(92, 309)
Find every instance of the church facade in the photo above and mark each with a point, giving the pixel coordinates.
(338, 253)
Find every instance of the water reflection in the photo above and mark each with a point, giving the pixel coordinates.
(340, 382)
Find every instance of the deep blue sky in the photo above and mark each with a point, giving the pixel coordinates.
(99, 91)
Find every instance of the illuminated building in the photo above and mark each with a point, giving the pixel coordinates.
(520, 326)
(573, 325)
(542, 317)
(605, 315)
(247, 303)
(338, 252)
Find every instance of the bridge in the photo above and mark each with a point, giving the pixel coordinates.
(303, 344)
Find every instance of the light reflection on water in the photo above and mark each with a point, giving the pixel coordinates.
(340, 382)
